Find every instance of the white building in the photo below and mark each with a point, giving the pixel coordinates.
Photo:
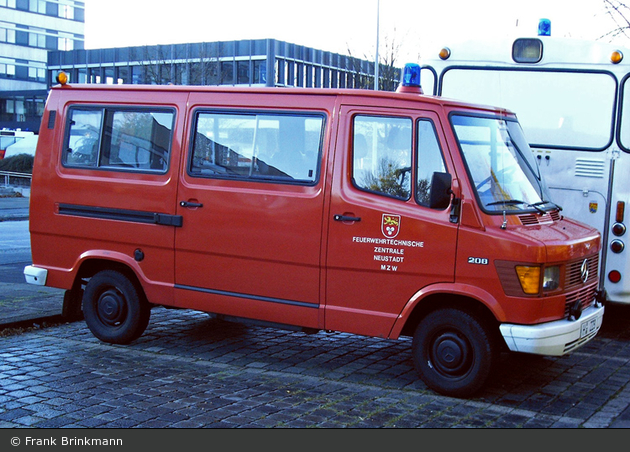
(28, 30)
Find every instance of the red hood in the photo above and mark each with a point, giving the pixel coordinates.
(562, 238)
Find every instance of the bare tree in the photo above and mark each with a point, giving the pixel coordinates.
(389, 74)
(180, 64)
(619, 13)
(360, 79)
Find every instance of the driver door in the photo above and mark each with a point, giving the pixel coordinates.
(385, 244)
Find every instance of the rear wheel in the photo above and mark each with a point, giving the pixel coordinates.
(453, 352)
(114, 309)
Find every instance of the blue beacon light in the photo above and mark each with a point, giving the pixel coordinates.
(410, 82)
(544, 27)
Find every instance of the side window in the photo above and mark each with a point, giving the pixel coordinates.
(257, 146)
(430, 160)
(82, 140)
(382, 155)
(137, 139)
(119, 138)
(624, 126)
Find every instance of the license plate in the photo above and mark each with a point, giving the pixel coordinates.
(588, 327)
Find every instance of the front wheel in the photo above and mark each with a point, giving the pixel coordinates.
(114, 309)
(453, 352)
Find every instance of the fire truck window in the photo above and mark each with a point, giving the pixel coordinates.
(261, 147)
(82, 141)
(137, 139)
(381, 150)
(119, 139)
(430, 160)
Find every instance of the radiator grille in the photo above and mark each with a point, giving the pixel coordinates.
(574, 272)
(583, 291)
(586, 297)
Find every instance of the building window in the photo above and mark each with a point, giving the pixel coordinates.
(38, 74)
(243, 72)
(21, 37)
(4, 70)
(227, 73)
(7, 106)
(79, 14)
(20, 111)
(94, 75)
(82, 76)
(123, 75)
(260, 71)
(51, 40)
(66, 11)
(137, 75)
(37, 6)
(21, 69)
(7, 33)
(37, 38)
(66, 43)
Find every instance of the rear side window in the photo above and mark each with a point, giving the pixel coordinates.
(119, 139)
(255, 146)
(624, 126)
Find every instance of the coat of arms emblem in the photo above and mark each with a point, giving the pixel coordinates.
(390, 225)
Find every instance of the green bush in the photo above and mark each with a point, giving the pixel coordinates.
(21, 163)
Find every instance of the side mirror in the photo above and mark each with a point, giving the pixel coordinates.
(440, 196)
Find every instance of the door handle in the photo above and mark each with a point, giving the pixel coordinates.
(346, 218)
(190, 204)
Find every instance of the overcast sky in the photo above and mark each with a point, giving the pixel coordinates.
(337, 25)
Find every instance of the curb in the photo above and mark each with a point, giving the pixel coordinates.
(35, 323)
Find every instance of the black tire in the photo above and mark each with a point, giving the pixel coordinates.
(453, 352)
(114, 309)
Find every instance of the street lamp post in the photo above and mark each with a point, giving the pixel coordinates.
(376, 75)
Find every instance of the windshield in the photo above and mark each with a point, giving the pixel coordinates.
(501, 165)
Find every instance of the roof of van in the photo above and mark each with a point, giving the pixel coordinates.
(365, 93)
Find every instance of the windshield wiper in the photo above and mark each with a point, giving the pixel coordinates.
(543, 202)
(511, 202)
(506, 202)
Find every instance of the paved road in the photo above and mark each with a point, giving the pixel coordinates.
(189, 370)
(15, 251)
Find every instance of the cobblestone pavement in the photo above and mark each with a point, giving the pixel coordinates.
(190, 370)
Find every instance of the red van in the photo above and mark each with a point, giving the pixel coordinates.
(374, 213)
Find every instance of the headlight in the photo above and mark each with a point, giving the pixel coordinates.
(551, 278)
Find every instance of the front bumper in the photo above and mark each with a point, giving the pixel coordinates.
(554, 338)
(35, 275)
